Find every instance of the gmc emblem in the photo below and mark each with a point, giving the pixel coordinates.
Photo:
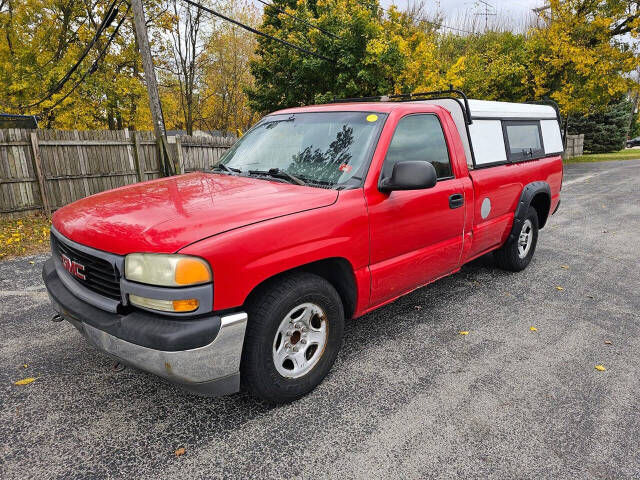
(73, 267)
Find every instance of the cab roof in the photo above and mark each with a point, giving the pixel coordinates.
(378, 107)
(477, 108)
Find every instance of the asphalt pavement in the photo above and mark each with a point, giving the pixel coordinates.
(409, 397)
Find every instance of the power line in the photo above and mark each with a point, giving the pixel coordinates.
(431, 22)
(106, 21)
(440, 25)
(94, 65)
(258, 32)
(308, 24)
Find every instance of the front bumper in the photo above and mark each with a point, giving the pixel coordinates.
(200, 354)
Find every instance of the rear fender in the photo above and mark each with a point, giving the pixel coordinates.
(529, 192)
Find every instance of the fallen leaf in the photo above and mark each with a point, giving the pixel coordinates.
(32, 262)
(25, 381)
(463, 332)
(608, 342)
(559, 288)
(600, 368)
(533, 329)
(564, 266)
(25, 365)
(181, 451)
(118, 367)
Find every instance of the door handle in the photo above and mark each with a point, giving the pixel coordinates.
(456, 200)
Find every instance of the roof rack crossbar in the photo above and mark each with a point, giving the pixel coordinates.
(408, 97)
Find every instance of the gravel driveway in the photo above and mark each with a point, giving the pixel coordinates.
(408, 397)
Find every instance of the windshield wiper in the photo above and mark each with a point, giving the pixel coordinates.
(278, 173)
(224, 168)
(272, 123)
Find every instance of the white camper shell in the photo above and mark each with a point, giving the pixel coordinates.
(496, 133)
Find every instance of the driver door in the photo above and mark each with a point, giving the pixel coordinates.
(416, 235)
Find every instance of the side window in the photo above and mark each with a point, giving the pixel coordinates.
(419, 137)
(523, 140)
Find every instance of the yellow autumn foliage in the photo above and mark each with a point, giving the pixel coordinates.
(579, 54)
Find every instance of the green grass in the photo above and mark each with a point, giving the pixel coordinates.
(626, 154)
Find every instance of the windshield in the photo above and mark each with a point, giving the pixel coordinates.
(326, 149)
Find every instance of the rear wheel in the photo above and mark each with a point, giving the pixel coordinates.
(293, 337)
(516, 254)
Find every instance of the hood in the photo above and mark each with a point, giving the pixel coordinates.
(165, 215)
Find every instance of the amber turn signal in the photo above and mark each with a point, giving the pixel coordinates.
(165, 305)
(190, 271)
(185, 305)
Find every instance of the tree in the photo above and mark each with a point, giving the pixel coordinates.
(226, 74)
(35, 55)
(214, 75)
(578, 56)
(369, 53)
(202, 65)
(490, 66)
(605, 131)
(187, 51)
(43, 39)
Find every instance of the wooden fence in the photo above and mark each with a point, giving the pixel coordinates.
(47, 169)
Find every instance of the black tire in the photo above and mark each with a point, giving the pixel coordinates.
(508, 257)
(267, 309)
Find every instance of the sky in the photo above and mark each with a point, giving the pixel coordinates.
(455, 10)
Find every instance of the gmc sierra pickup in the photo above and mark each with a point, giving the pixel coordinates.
(244, 275)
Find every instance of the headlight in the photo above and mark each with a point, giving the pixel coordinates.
(166, 270)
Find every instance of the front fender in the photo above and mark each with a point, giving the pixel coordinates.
(244, 258)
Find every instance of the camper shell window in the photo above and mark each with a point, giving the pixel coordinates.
(498, 133)
(523, 140)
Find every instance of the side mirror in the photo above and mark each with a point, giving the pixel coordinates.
(413, 175)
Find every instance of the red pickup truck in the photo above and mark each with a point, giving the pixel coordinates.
(246, 274)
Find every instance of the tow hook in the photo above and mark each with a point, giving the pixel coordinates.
(57, 318)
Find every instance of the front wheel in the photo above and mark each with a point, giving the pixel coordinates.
(293, 337)
(516, 254)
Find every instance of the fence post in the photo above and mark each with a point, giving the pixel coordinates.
(136, 157)
(37, 163)
(84, 168)
(167, 158)
(160, 153)
(179, 154)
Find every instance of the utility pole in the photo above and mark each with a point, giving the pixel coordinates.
(152, 87)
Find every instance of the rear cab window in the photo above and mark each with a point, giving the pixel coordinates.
(419, 137)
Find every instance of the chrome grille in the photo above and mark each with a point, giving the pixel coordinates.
(101, 276)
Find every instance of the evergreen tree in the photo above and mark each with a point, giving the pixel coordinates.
(605, 131)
